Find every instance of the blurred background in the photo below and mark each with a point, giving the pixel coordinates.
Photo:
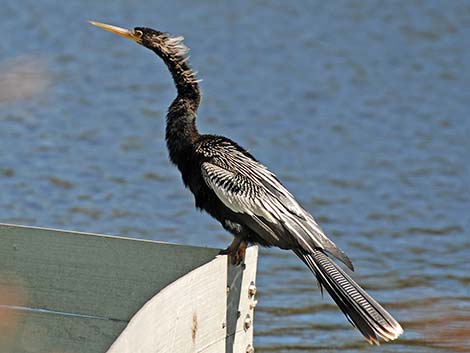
(360, 107)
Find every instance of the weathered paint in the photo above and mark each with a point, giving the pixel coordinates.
(75, 292)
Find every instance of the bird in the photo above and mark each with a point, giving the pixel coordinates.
(246, 198)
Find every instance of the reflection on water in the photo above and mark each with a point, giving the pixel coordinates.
(361, 108)
(22, 78)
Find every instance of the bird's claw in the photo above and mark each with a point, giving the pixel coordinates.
(236, 254)
(225, 251)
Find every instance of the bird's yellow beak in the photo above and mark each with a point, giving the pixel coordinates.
(118, 30)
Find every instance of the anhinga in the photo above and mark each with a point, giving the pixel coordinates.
(246, 198)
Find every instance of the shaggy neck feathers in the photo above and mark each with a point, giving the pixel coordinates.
(181, 131)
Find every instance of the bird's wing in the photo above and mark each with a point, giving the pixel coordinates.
(249, 189)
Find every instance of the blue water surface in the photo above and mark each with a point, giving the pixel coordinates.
(360, 107)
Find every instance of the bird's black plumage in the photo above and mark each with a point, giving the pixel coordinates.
(247, 199)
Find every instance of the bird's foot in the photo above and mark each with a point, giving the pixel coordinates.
(239, 255)
(236, 251)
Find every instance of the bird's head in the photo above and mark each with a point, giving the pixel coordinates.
(160, 42)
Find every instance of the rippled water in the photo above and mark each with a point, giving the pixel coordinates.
(361, 108)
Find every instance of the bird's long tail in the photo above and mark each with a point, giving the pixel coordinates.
(360, 308)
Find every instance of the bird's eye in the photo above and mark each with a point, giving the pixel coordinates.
(138, 33)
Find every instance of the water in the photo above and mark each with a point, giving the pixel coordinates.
(361, 109)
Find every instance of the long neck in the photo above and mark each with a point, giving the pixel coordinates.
(181, 131)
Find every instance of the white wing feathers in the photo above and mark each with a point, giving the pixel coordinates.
(249, 188)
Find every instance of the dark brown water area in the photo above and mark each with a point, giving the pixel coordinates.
(361, 108)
